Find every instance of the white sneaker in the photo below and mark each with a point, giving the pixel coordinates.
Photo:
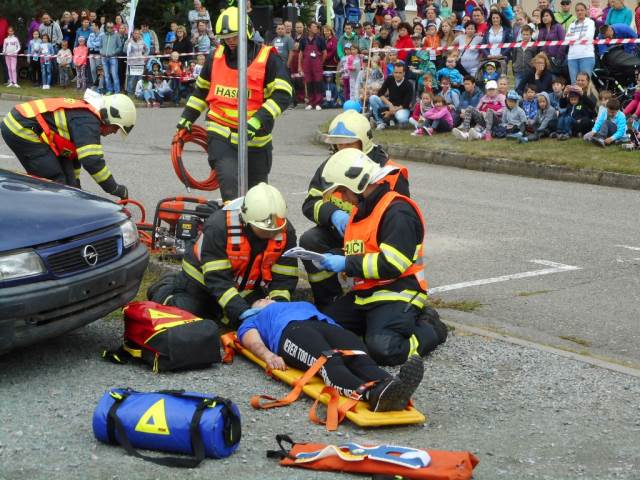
(308, 107)
(16, 85)
(380, 126)
(46, 87)
(475, 134)
(460, 134)
(318, 108)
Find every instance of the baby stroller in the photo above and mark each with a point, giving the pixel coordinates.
(498, 64)
(352, 15)
(617, 73)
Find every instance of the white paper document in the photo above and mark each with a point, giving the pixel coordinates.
(299, 252)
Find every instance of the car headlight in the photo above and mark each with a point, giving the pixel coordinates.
(129, 234)
(20, 264)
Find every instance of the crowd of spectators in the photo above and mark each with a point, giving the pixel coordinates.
(423, 73)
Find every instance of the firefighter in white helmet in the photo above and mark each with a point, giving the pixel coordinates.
(383, 256)
(330, 212)
(236, 260)
(54, 138)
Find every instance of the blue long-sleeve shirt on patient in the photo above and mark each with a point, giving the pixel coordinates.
(274, 318)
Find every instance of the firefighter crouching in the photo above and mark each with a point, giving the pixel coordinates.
(330, 212)
(54, 137)
(216, 90)
(236, 260)
(383, 255)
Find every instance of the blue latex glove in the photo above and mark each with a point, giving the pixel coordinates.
(249, 313)
(334, 263)
(340, 220)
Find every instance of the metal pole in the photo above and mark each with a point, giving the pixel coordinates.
(243, 153)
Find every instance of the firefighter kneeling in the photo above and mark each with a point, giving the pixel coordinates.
(54, 137)
(383, 256)
(236, 260)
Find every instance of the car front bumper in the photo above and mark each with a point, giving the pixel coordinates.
(33, 312)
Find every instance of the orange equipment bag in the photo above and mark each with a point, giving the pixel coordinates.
(376, 460)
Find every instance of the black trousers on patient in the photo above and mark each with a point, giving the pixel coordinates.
(304, 341)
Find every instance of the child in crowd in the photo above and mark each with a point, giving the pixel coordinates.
(144, 90)
(529, 104)
(513, 123)
(161, 87)
(490, 72)
(80, 61)
(603, 98)
(445, 9)
(34, 58)
(545, 121)
(431, 40)
(557, 93)
(46, 56)
(425, 83)
(610, 126)
(595, 12)
(98, 82)
(521, 58)
(331, 99)
(503, 85)
(469, 98)
(450, 70)
(391, 59)
(64, 58)
(170, 37)
(451, 95)
(200, 59)
(633, 109)
(413, 58)
(11, 48)
(174, 71)
(576, 118)
(421, 108)
(489, 110)
(633, 132)
(437, 119)
(353, 67)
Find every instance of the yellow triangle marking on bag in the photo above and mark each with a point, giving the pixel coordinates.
(156, 314)
(154, 420)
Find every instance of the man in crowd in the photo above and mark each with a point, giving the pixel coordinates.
(284, 44)
(564, 16)
(111, 48)
(236, 260)
(477, 17)
(216, 90)
(54, 137)
(618, 30)
(393, 100)
(383, 257)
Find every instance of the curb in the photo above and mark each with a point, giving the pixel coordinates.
(15, 96)
(508, 166)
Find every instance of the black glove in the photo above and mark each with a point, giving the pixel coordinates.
(121, 191)
(184, 124)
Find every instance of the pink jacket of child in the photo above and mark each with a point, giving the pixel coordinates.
(80, 54)
(497, 103)
(440, 113)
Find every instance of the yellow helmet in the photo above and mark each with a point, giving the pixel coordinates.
(265, 208)
(349, 168)
(348, 127)
(118, 110)
(228, 26)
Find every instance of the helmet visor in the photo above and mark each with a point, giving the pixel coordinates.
(339, 139)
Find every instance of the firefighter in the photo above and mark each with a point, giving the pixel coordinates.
(236, 260)
(54, 137)
(216, 89)
(330, 213)
(383, 258)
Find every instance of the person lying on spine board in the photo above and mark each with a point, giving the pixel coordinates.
(296, 334)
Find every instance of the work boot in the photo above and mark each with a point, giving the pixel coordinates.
(430, 316)
(395, 393)
(160, 290)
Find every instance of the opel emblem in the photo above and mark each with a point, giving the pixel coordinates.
(90, 255)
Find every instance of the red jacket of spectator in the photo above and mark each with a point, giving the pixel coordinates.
(404, 42)
(4, 26)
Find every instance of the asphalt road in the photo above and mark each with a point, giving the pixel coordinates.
(526, 413)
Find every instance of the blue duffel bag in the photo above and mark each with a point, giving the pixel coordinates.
(170, 421)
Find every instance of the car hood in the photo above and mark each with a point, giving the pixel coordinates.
(34, 211)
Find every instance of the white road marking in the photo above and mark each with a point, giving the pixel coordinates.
(6, 156)
(554, 268)
(629, 247)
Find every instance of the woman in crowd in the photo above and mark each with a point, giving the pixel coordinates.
(447, 35)
(182, 44)
(523, 19)
(404, 40)
(549, 29)
(581, 56)
(470, 58)
(541, 75)
(384, 37)
(498, 32)
(331, 41)
(589, 92)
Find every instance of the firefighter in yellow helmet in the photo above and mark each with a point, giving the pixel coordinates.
(216, 91)
(236, 260)
(383, 257)
(54, 137)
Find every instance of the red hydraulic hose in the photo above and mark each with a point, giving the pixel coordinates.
(198, 136)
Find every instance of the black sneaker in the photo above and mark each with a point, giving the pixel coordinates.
(394, 394)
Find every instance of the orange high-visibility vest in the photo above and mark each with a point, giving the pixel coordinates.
(239, 253)
(59, 142)
(364, 234)
(223, 94)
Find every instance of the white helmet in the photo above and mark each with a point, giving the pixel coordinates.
(349, 168)
(348, 127)
(264, 208)
(119, 110)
